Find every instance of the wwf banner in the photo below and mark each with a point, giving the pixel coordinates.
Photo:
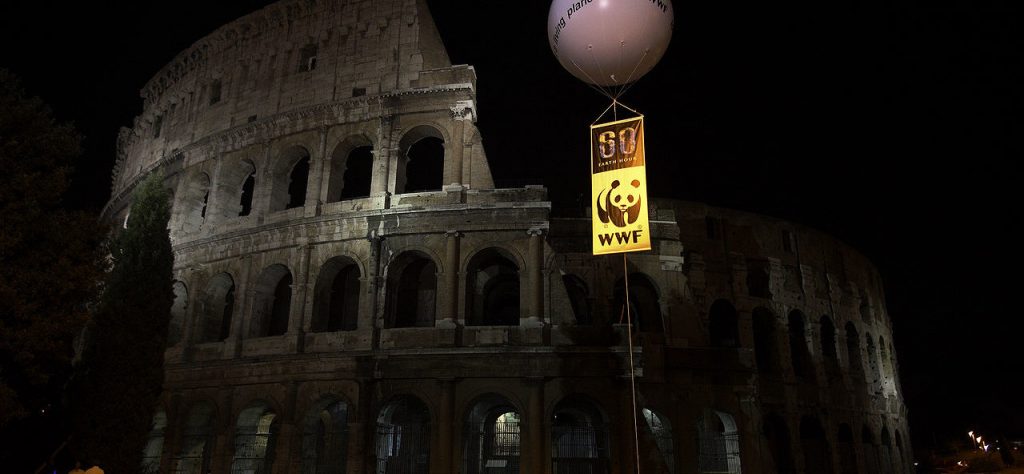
(618, 179)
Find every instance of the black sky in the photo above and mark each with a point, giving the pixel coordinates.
(894, 125)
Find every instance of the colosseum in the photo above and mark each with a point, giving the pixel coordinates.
(354, 294)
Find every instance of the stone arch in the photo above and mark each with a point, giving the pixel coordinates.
(255, 441)
(197, 439)
(336, 296)
(659, 428)
(718, 443)
(179, 310)
(723, 325)
(194, 202)
(271, 302)
(847, 454)
(777, 434)
(412, 291)
(853, 351)
(766, 351)
(217, 309)
(887, 372)
(419, 166)
(828, 347)
(236, 185)
(579, 299)
(403, 436)
(885, 451)
(351, 169)
(644, 302)
(491, 436)
(492, 289)
(579, 436)
(899, 460)
(814, 444)
(289, 178)
(799, 354)
(153, 451)
(870, 450)
(325, 436)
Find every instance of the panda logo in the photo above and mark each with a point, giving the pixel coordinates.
(619, 205)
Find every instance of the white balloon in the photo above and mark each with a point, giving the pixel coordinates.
(609, 42)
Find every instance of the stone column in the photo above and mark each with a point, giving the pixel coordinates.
(244, 296)
(534, 314)
(535, 445)
(454, 151)
(450, 309)
(189, 323)
(296, 333)
(317, 164)
(382, 158)
(447, 459)
(264, 185)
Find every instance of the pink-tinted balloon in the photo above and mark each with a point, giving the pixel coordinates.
(609, 42)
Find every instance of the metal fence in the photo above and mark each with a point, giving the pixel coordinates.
(254, 453)
(324, 451)
(718, 453)
(492, 448)
(194, 456)
(579, 450)
(403, 449)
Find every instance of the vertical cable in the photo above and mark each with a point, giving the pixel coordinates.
(632, 374)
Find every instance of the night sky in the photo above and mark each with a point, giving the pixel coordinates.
(889, 124)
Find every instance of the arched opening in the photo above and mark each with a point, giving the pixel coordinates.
(336, 296)
(828, 347)
(421, 161)
(579, 438)
(236, 184)
(272, 302)
(194, 202)
(870, 450)
(886, 361)
(255, 439)
(403, 437)
(847, 455)
(351, 169)
(659, 429)
(579, 299)
(491, 437)
(798, 352)
(817, 457)
(218, 307)
(853, 351)
(900, 462)
(644, 306)
(325, 438)
(178, 309)
(492, 290)
(290, 179)
(765, 344)
(723, 325)
(197, 439)
(777, 434)
(886, 452)
(718, 448)
(412, 290)
(154, 449)
(759, 278)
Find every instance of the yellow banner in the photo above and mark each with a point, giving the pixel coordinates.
(618, 179)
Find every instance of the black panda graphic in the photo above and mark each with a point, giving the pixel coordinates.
(619, 205)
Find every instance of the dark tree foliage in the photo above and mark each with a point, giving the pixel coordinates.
(121, 377)
(51, 266)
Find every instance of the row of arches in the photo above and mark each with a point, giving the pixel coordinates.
(402, 431)
(492, 298)
(723, 328)
(817, 452)
(287, 180)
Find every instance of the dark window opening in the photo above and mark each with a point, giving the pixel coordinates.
(788, 243)
(758, 279)
(298, 180)
(403, 437)
(491, 438)
(215, 89)
(492, 297)
(799, 354)
(217, 309)
(325, 439)
(723, 325)
(358, 91)
(853, 351)
(358, 173)
(245, 202)
(251, 119)
(229, 309)
(817, 456)
(828, 347)
(711, 227)
(579, 439)
(158, 123)
(425, 169)
(307, 57)
(415, 291)
(206, 200)
(278, 323)
(765, 345)
(578, 299)
(777, 434)
(644, 307)
(336, 307)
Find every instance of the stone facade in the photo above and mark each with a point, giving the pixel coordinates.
(332, 317)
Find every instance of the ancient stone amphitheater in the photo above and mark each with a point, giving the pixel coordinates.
(354, 295)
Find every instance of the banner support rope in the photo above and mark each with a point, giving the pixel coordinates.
(632, 374)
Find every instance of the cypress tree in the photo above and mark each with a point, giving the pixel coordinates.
(122, 373)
